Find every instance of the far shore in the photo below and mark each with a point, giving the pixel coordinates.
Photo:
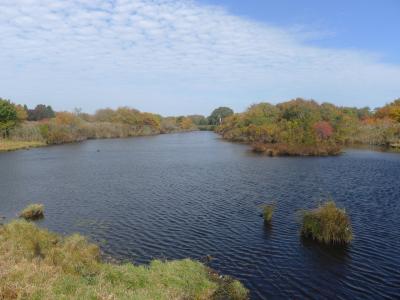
(7, 145)
(10, 145)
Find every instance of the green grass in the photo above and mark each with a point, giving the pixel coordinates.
(32, 212)
(268, 211)
(10, 145)
(327, 224)
(38, 264)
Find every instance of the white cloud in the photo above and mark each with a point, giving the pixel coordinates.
(168, 56)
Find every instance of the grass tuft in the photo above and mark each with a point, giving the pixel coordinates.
(268, 211)
(327, 224)
(32, 212)
(38, 264)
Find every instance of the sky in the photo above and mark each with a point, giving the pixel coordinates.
(178, 57)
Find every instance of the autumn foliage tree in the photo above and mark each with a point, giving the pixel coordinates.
(391, 111)
(323, 129)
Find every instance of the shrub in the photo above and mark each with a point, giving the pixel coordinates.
(268, 211)
(327, 224)
(32, 212)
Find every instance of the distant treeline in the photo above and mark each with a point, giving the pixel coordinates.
(295, 127)
(304, 127)
(42, 123)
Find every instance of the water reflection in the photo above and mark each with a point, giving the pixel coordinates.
(325, 255)
(268, 229)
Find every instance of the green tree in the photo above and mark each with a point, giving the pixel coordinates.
(8, 117)
(262, 113)
(198, 120)
(41, 112)
(219, 114)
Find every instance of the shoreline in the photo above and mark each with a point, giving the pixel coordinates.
(10, 145)
(72, 267)
(7, 145)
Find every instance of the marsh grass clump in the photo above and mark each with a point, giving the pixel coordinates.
(327, 224)
(38, 264)
(32, 212)
(268, 211)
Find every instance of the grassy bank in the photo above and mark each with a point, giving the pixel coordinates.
(10, 145)
(38, 264)
(30, 128)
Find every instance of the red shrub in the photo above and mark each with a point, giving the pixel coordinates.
(323, 129)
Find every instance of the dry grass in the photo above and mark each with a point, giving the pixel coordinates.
(327, 224)
(10, 145)
(32, 212)
(38, 264)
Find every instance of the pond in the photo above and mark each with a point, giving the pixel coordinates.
(193, 194)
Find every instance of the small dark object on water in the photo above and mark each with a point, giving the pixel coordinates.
(98, 150)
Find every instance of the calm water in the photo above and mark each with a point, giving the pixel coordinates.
(192, 195)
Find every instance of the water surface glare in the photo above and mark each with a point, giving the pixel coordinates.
(192, 195)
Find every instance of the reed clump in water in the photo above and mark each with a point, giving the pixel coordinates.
(32, 212)
(268, 211)
(38, 264)
(327, 224)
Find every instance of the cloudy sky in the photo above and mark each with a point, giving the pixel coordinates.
(184, 57)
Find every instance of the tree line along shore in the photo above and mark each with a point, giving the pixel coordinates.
(305, 127)
(21, 127)
(295, 127)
